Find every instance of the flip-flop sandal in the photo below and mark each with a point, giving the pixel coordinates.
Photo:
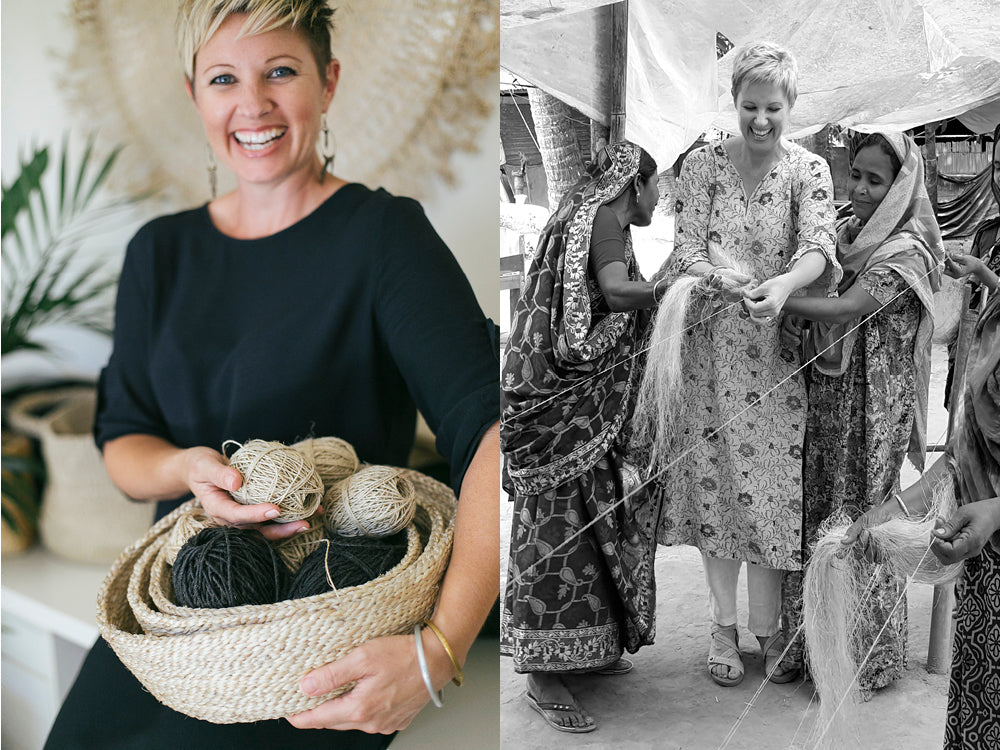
(622, 666)
(783, 671)
(725, 651)
(574, 707)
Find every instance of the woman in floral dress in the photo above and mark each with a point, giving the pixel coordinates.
(868, 390)
(580, 580)
(733, 486)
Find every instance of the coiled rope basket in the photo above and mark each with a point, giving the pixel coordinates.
(243, 664)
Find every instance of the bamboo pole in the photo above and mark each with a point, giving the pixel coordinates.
(931, 164)
(619, 57)
(943, 600)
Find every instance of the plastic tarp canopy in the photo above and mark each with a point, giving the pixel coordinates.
(864, 64)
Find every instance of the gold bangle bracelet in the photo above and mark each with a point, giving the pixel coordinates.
(459, 678)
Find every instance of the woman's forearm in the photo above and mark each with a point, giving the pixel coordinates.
(472, 581)
(855, 303)
(146, 467)
(622, 293)
(919, 496)
(989, 279)
(631, 295)
(806, 269)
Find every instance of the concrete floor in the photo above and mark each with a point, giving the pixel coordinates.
(669, 702)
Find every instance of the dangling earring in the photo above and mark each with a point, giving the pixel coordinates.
(212, 167)
(329, 149)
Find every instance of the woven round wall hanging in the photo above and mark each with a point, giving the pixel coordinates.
(415, 86)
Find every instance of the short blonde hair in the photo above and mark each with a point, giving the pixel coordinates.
(198, 20)
(765, 62)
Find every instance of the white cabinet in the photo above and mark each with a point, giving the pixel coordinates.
(48, 625)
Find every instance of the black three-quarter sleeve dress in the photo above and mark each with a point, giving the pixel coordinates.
(342, 325)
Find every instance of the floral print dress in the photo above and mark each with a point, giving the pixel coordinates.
(857, 434)
(734, 485)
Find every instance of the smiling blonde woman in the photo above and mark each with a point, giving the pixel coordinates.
(298, 304)
(732, 487)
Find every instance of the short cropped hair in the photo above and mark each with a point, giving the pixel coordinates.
(198, 20)
(765, 62)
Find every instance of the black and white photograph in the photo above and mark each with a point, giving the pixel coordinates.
(750, 374)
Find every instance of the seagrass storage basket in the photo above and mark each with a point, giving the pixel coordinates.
(243, 664)
(84, 517)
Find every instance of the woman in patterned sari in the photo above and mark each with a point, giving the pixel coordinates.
(971, 534)
(868, 388)
(580, 578)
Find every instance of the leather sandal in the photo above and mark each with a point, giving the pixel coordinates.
(725, 651)
(779, 670)
(549, 711)
(622, 666)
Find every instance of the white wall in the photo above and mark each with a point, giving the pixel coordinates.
(33, 33)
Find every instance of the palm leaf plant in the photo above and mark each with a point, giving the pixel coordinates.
(43, 223)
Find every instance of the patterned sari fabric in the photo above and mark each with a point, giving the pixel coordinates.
(734, 487)
(974, 694)
(868, 396)
(575, 597)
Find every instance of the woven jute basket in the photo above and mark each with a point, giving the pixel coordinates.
(84, 517)
(243, 664)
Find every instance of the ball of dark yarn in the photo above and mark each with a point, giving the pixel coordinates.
(349, 561)
(227, 567)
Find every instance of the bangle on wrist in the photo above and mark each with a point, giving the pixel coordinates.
(656, 284)
(424, 672)
(898, 498)
(459, 678)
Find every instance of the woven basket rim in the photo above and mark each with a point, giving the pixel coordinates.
(169, 609)
(142, 552)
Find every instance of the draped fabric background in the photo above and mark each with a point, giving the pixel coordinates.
(410, 92)
(866, 64)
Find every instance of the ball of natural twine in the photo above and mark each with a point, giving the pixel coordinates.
(185, 527)
(340, 562)
(222, 566)
(333, 458)
(376, 501)
(295, 549)
(275, 473)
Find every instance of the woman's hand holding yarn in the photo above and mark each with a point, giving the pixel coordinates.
(765, 301)
(210, 479)
(728, 282)
(874, 516)
(389, 692)
(966, 533)
(959, 265)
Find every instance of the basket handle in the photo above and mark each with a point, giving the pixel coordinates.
(22, 412)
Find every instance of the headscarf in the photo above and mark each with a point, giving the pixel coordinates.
(568, 375)
(901, 236)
